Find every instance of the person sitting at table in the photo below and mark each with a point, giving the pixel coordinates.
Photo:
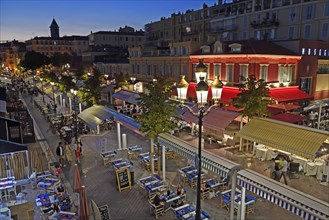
(203, 186)
(180, 189)
(157, 201)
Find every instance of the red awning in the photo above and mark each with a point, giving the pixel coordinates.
(288, 117)
(228, 94)
(288, 94)
(216, 119)
(232, 108)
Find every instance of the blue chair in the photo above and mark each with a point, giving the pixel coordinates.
(131, 163)
(115, 152)
(157, 176)
(205, 214)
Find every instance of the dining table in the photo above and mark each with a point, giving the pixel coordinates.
(146, 181)
(120, 163)
(152, 188)
(188, 212)
(213, 183)
(45, 200)
(314, 168)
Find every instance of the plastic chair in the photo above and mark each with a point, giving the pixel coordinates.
(205, 214)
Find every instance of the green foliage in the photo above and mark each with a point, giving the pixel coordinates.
(51, 77)
(59, 59)
(254, 97)
(157, 109)
(91, 93)
(34, 60)
(66, 83)
(121, 81)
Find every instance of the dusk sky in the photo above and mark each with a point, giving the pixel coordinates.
(23, 20)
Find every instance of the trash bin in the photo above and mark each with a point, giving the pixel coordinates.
(132, 177)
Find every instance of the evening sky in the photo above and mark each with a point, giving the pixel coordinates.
(26, 19)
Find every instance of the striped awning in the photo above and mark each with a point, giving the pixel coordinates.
(299, 140)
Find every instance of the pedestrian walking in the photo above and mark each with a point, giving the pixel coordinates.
(68, 153)
(284, 170)
(271, 167)
(77, 149)
(60, 153)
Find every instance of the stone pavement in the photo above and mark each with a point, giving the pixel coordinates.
(132, 203)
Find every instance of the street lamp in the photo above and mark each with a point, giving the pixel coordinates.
(75, 116)
(52, 87)
(202, 95)
(43, 93)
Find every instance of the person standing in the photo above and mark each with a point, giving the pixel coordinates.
(60, 153)
(277, 173)
(77, 149)
(68, 153)
(271, 167)
(284, 170)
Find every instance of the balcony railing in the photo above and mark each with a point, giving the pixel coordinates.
(264, 23)
(223, 28)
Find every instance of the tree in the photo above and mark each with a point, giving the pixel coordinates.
(59, 60)
(34, 60)
(91, 94)
(157, 113)
(254, 97)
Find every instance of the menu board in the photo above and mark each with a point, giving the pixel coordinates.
(104, 212)
(123, 179)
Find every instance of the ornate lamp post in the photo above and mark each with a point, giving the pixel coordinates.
(43, 93)
(202, 94)
(75, 116)
(52, 87)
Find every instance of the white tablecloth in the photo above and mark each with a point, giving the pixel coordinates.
(261, 153)
(314, 169)
(271, 153)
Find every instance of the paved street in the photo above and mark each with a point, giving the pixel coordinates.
(132, 204)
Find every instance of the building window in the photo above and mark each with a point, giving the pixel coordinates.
(175, 51)
(169, 69)
(273, 33)
(163, 69)
(244, 35)
(285, 73)
(217, 71)
(184, 69)
(325, 30)
(308, 11)
(307, 31)
(245, 22)
(229, 72)
(263, 72)
(292, 14)
(326, 9)
(291, 33)
(244, 71)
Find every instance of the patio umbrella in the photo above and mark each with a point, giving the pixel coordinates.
(76, 179)
(83, 207)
